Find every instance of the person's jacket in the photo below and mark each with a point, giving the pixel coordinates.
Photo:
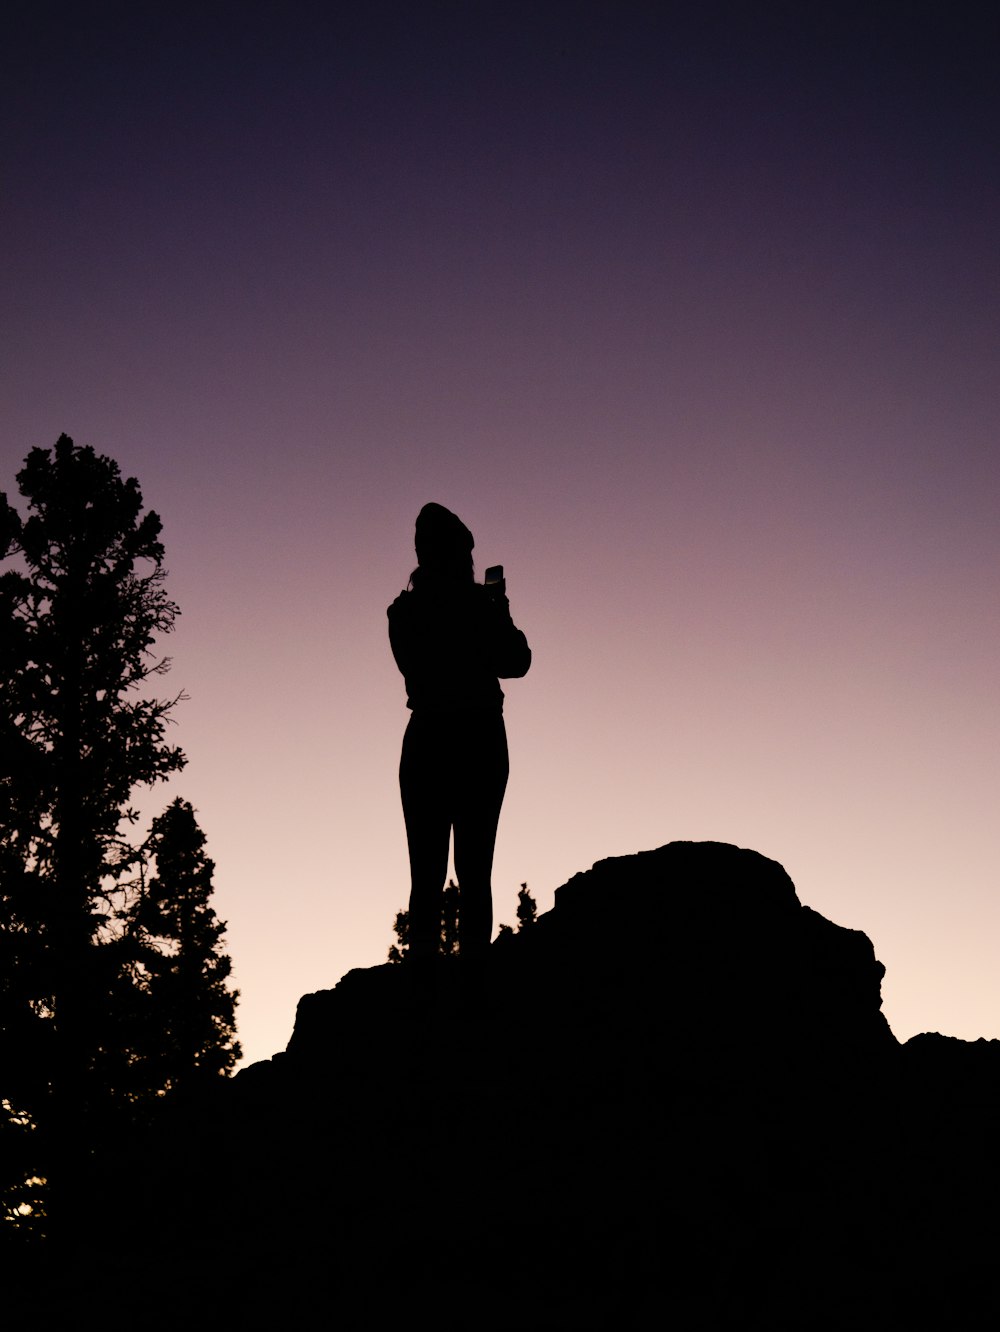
(452, 642)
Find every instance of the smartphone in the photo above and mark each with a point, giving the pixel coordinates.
(494, 574)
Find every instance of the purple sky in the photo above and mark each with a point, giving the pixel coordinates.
(692, 317)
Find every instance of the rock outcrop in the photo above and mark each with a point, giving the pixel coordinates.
(673, 1100)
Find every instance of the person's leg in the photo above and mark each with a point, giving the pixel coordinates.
(477, 812)
(428, 832)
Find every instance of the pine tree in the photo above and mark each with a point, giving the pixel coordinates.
(450, 907)
(80, 609)
(180, 972)
(527, 910)
(450, 898)
(401, 929)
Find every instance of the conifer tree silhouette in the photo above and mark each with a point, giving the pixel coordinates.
(81, 606)
(449, 946)
(527, 912)
(180, 972)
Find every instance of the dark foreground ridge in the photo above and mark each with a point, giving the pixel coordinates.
(675, 1100)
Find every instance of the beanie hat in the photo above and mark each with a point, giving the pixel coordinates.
(440, 535)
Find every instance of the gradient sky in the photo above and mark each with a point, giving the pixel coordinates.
(690, 312)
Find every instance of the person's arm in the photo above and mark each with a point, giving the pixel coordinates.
(511, 654)
(400, 632)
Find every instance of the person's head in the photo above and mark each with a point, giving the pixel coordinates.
(444, 547)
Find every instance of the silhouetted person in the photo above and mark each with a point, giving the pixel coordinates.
(452, 638)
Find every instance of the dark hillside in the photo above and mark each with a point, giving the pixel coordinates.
(673, 1099)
